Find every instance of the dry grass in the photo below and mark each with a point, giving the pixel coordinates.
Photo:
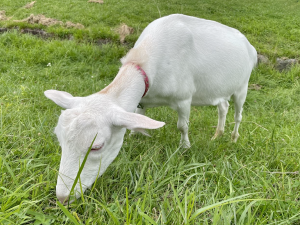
(43, 20)
(123, 30)
(256, 87)
(96, 1)
(69, 24)
(3, 16)
(29, 5)
(40, 19)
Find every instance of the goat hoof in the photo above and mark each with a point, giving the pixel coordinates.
(217, 134)
(185, 144)
(234, 137)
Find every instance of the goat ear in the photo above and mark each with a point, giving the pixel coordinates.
(134, 121)
(62, 98)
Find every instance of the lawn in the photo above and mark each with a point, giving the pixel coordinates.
(152, 181)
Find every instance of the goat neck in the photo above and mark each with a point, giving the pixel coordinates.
(127, 88)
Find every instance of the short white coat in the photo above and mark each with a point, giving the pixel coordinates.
(188, 61)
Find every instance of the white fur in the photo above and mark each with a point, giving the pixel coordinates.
(189, 61)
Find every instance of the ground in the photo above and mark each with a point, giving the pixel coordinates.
(152, 181)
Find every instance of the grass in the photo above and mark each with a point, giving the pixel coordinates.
(152, 181)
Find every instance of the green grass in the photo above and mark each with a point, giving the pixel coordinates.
(152, 181)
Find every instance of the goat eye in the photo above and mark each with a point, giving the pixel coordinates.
(97, 147)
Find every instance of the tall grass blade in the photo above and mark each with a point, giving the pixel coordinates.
(179, 205)
(9, 169)
(145, 216)
(243, 216)
(81, 168)
(67, 213)
(225, 202)
(114, 218)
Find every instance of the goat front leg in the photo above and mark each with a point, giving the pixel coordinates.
(183, 110)
(222, 112)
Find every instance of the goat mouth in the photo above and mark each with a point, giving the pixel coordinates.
(97, 147)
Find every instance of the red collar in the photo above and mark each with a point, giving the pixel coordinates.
(146, 80)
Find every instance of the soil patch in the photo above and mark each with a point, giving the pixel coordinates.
(282, 64)
(262, 59)
(36, 32)
(2, 30)
(123, 30)
(43, 34)
(285, 64)
(103, 41)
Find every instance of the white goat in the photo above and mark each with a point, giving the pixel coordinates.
(183, 61)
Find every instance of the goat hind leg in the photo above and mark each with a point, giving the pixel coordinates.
(239, 100)
(183, 110)
(222, 112)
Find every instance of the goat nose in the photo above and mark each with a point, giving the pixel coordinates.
(63, 198)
